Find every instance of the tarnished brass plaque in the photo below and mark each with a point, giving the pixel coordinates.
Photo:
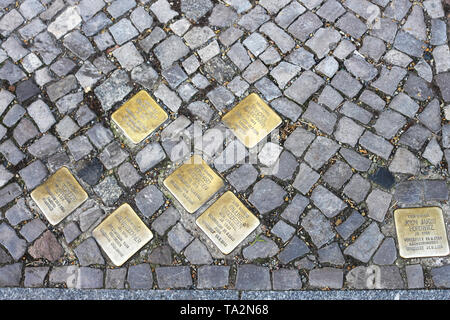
(251, 120)
(193, 183)
(122, 234)
(421, 232)
(227, 222)
(59, 196)
(139, 116)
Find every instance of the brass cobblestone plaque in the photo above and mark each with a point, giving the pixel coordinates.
(122, 234)
(139, 116)
(59, 196)
(193, 183)
(227, 222)
(421, 232)
(251, 120)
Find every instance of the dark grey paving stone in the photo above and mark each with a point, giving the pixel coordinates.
(33, 229)
(71, 232)
(320, 151)
(374, 277)
(91, 172)
(415, 277)
(178, 238)
(149, 200)
(33, 174)
(331, 254)
(161, 255)
(286, 279)
(441, 276)
(262, 248)
(210, 277)
(173, 277)
(295, 209)
(140, 276)
(34, 276)
(296, 248)
(327, 277)
(383, 177)
(338, 174)
(89, 278)
(15, 245)
(88, 253)
(267, 195)
(197, 253)
(435, 190)
(318, 227)
(366, 244)
(320, 117)
(10, 275)
(253, 277)
(115, 278)
(386, 253)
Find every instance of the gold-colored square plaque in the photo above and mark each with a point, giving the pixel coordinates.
(139, 116)
(421, 232)
(227, 222)
(193, 183)
(122, 234)
(251, 120)
(59, 196)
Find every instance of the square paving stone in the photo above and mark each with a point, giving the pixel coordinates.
(286, 279)
(108, 190)
(123, 31)
(328, 203)
(149, 200)
(33, 174)
(267, 195)
(210, 277)
(318, 228)
(140, 276)
(253, 277)
(320, 151)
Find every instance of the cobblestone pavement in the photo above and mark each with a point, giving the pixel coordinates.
(363, 90)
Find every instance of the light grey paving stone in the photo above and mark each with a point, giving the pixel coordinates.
(321, 117)
(201, 110)
(253, 277)
(288, 14)
(344, 49)
(128, 175)
(166, 220)
(5, 176)
(267, 195)
(197, 253)
(141, 19)
(239, 5)
(238, 55)
(360, 68)
(18, 213)
(220, 97)
(156, 36)
(79, 147)
(173, 277)
(408, 44)
(113, 89)
(33, 174)
(96, 24)
(213, 277)
(123, 31)
(10, 151)
(196, 9)
(88, 253)
(6, 98)
(89, 278)
(222, 16)
(108, 190)
(11, 72)
(41, 114)
(284, 72)
(161, 255)
(331, 254)
(34, 276)
(433, 152)
(366, 244)
(32, 230)
(435, 190)
(270, 56)
(23, 132)
(331, 10)
(79, 45)
(378, 203)
(262, 248)
(386, 253)
(149, 200)
(145, 75)
(441, 81)
(269, 154)
(163, 11)
(10, 21)
(350, 225)
(64, 275)
(253, 19)
(9, 193)
(350, 24)
(397, 58)
(10, 275)
(209, 52)
(71, 232)
(140, 276)
(180, 27)
(104, 40)
(389, 79)
(32, 28)
(327, 277)
(373, 48)
(438, 32)
(356, 112)
(255, 71)
(69, 102)
(389, 123)
(306, 24)
(305, 179)
(99, 135)
(283, 230)
(324, 40)
(330, 98)
(268, 89)
(404, 104)
(434, 8)
(418, 88)
(375, 277)
(347, 131)
(62, 66)
(405, 162)
(376, 144)
(397, 9)
(415, 277)
(328, 67)
(179, 238)
(150, 156)
(338, 174)
(431, 116)
(168, 97)
(115, 278)
(233, 154)
(287, 108)
(15, 245)
(409, 192)
(65, 22)
(318, 227)
(174, 75)
(89, 8)
(191, 64)
(321, 150)
(273, 6)
(90, 217)
(415, 24)
(14, 48)
(372, 100)
(357, 188)
(329, 204)
(230, 35)
(415, 137)
(243, 177)
(294, 249)
(285, 167)
(286, 279)
(302, 58)
(283, 41)
(346, 84)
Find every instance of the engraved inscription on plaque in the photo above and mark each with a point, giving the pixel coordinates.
(59, 196)
(122, 234)
(193, 183)
(421, 232)
(251, 120)
(227, 222)
(139, 116)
